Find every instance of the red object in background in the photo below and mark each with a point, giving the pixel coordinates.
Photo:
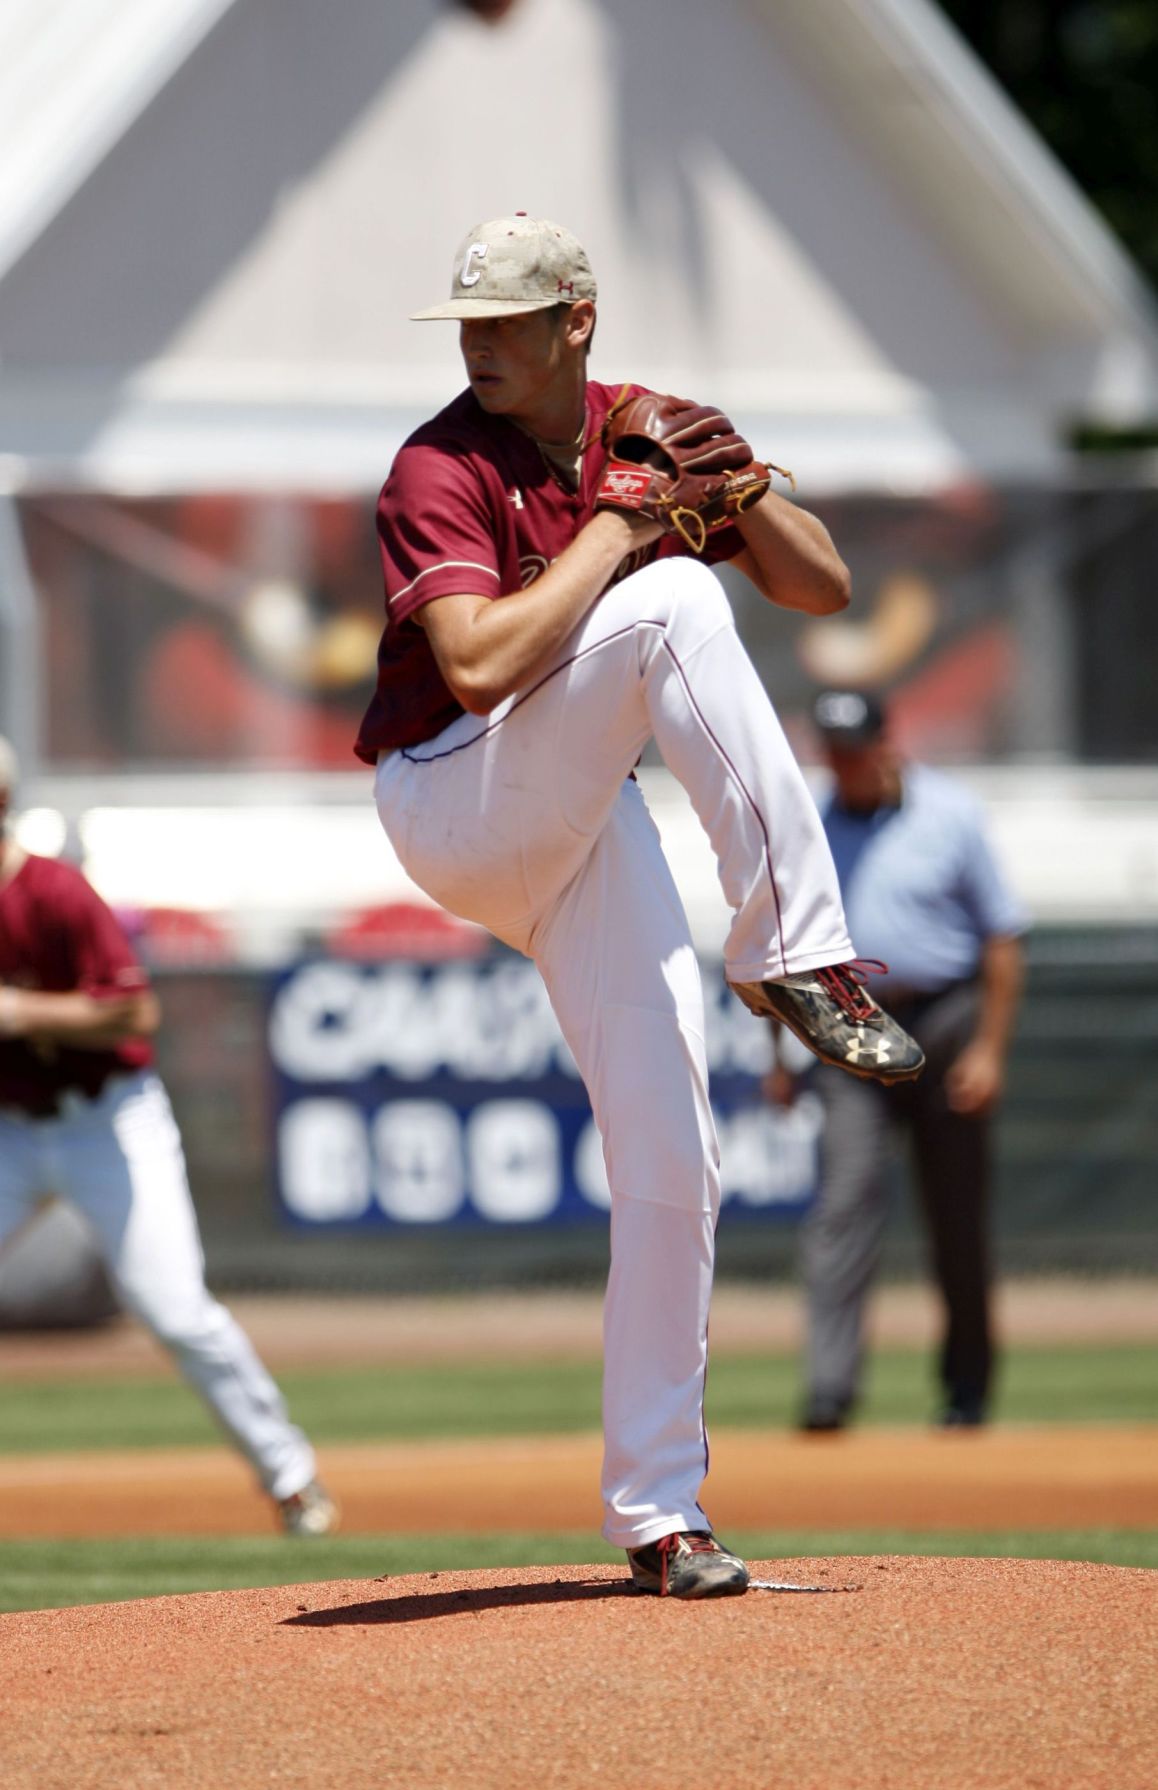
(406, 929)
(199, 701)
(173, 935)
(951, 708)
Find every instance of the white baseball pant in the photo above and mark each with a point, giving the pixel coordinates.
(119, 1160)
(526, 821)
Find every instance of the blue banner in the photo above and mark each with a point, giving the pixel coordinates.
(431, 1094)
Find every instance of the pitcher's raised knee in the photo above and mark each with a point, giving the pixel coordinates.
(696, 584)
(673, 592)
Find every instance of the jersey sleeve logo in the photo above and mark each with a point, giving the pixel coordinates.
(476, 252)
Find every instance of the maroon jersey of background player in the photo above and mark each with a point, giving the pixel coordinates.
(57, 936)
(472, 507)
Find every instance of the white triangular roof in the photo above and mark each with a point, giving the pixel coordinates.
(822, 213)
(74, 76)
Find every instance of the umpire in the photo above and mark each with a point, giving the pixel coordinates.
(922, 894)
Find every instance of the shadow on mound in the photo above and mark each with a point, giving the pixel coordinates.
(456, 1603)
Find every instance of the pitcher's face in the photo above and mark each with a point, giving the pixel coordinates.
(517, 365)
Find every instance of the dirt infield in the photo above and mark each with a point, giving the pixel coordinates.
(925, 1675)
(1040, 1477)
(929, 1674)
(312, 1331)
(1048, 1477)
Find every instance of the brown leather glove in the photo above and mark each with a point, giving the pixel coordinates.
(681, 464)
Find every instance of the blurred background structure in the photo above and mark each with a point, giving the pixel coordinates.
(214, 218)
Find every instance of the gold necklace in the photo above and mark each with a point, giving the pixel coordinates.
(553, 453)
(581, 442)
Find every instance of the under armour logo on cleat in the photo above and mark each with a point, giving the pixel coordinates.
(877, 1051)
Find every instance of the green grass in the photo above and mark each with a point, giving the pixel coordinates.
(1072, 1385)
(41, 1575)
(1040, 1385)
(1075, 1385)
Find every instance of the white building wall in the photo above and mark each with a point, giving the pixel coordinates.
(226, 293)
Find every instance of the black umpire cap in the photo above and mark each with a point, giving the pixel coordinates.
(849, 717)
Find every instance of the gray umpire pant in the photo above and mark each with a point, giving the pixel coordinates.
(841, 1237)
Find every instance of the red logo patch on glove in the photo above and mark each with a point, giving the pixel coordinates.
(624, 487)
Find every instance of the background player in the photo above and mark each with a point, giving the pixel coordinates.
(921, 889)
(83, 1116)
(505, 733)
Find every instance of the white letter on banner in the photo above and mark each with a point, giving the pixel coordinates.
(407, 1039)
(769, 1157)
(513, 1147)
(319, 1029)
(496, 1021)
(324, 1160)
(460, 997)
(418, 1162)
(520, 1033)
(483, 1022)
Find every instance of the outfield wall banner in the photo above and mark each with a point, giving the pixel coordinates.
(443, 1094)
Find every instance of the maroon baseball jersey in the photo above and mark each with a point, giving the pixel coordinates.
(57, 936)
(472, 507)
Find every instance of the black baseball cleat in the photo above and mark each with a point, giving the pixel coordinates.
(824, 1415)
(832, 1012)
(962, 1414)
(690, 1563)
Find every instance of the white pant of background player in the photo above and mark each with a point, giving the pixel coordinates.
(119, 1160)
(527, 823)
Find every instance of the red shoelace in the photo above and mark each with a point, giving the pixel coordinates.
(845, 983)
(695, 1544)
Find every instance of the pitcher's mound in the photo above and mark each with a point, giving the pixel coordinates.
(954, 1673)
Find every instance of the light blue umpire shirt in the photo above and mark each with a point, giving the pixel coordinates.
(921, 888)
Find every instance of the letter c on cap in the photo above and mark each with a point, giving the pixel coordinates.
(467, 277)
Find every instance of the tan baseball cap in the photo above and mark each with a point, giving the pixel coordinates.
(512, 265)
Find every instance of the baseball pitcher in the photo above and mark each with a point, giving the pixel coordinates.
(547, 544)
